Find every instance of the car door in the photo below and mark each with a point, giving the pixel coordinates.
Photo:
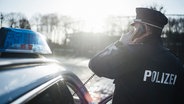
(57, 93)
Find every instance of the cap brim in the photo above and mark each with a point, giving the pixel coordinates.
(140, 21)
(136, 21)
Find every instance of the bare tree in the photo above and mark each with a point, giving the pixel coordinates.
(157, 7)
(13, 19)
(36, 21)
(45, 23)
(24, 23)
(53, 21)
(49, 21)
(67, 23)
(2, 19)
(118, 24)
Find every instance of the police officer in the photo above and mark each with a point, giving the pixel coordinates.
(144, 71)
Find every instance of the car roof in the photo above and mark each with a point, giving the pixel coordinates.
(18, 77)
(12, 61)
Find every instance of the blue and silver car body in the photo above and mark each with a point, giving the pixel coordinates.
(23, 79)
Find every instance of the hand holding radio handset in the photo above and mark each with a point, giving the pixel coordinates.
(135, 35)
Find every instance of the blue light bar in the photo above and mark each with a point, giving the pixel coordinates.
(23, 41)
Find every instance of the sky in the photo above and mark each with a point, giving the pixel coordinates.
(92, 12)
(86, 8)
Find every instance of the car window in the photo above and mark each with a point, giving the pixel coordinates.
(76, 98)
(3, 37)
(56, 94)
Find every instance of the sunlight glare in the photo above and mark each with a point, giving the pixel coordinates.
(93, 24)
(94, 12)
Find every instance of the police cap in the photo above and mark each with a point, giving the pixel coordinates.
(151, 17)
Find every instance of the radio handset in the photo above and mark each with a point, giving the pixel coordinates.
(139, 31)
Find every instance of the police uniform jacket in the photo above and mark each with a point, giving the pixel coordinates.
(145, 73)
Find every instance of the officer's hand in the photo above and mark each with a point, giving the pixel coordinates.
(126, 38)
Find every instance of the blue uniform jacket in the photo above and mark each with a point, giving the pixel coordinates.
(144, 73)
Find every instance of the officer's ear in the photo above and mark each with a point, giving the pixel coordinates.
(147, 29)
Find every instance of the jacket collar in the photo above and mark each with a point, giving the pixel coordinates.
(152, 40)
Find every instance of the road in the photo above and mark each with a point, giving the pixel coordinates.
(98, 87)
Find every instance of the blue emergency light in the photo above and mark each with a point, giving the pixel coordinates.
(22, 41)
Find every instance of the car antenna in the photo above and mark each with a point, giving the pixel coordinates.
(86, 82)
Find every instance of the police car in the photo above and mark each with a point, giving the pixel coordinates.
(28, 77)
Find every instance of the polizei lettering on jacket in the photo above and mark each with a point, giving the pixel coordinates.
(157, 77)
